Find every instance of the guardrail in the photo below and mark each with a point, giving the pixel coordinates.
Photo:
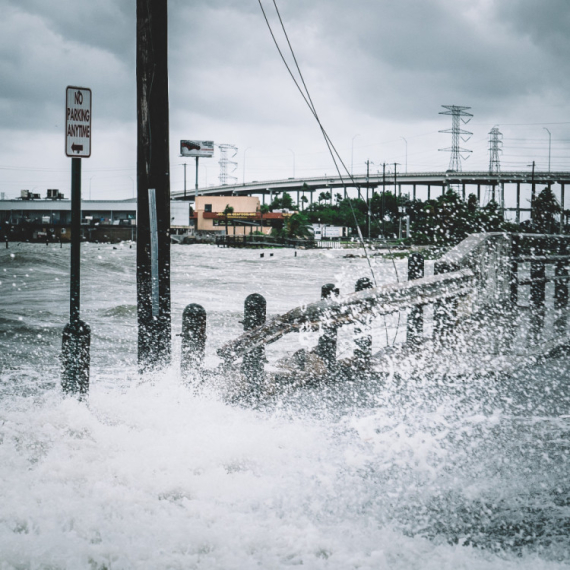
(479, 277)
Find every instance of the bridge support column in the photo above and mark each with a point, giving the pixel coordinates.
(479, 194)
(429, 191)
(414, 191)
(326, 347)
(416, 315)
(463, 190)
(503, 199)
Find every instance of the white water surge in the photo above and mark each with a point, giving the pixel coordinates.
(416, 473)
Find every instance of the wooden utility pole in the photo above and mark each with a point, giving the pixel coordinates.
(153, 184)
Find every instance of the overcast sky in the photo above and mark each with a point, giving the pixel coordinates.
(378, 72)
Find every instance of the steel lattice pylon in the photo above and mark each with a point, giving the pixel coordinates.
(225, 163)
(495, 144)
(457, 113)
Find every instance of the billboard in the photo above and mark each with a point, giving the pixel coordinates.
(197, 148)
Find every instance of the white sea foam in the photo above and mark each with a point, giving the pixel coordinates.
(417, 473)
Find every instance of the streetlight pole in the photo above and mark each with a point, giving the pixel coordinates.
(549, 146)
(293, 161)
(406, 153)
(132, 183)
(90, 178)
(352, 155)
(243, 174)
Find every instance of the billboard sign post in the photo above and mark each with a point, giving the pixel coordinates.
(195, 149)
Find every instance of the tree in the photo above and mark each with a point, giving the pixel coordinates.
(227, 211)
(544, 209)
(263, 209)
(283, 203)
(298, 226)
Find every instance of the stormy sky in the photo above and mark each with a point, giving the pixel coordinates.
(378, 72)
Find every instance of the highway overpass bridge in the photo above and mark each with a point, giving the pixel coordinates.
(436, 182)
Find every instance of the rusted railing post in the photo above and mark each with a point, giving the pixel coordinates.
(326, 347)
(193, 335)
(537, 291)
(561, 287)
(416, 315)
(444, 312)
(254, 315)
(514, 277)
(363, 350)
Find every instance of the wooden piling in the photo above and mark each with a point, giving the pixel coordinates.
(327, 345)
(193, 347)
(363, 350)
(153, 186)
(75, 358)
(254, 315)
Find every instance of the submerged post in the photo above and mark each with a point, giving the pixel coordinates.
(254, 315)
(326, 347)
(415, 327)
(363, 350)
(193, 347)
(153, 187)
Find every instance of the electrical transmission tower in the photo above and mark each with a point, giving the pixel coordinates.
(225, 163)
(495, 144)
(457, 113)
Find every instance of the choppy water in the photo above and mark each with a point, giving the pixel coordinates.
(420, 472)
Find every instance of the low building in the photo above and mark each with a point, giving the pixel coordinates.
(36, 219)
(245, 218)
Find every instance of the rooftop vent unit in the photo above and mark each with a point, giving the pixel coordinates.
(54, 194)
(27, 195)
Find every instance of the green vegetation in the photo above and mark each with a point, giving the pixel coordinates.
(443, 221)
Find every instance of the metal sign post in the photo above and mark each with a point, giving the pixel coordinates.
(196, 149)
(76, 335)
